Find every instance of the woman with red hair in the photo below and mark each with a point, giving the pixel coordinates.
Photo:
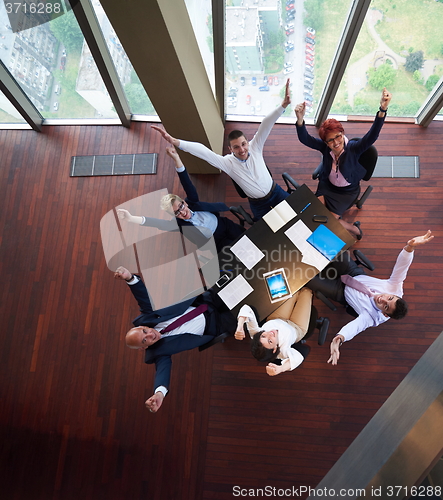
(340, 173)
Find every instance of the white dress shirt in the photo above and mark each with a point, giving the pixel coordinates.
(368, 313)
(288, 334)
(251, 174)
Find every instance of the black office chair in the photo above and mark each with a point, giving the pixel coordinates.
(242, 215)
(216, 340)
(368, 160)
(360, 260)
(291, 184)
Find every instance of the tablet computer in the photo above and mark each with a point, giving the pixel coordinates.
(277, 285)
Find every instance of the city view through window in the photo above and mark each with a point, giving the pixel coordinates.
(400, 46)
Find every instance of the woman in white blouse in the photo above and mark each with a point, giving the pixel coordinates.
(276, 338)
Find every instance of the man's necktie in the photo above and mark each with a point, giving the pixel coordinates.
(357, 285)
(185, 318)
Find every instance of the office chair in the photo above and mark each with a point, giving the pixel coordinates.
(368, 160)
(242, 215)
(291, 184)
(360, 260)
(218, 339)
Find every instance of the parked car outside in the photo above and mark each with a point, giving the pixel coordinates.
(310, 30)
(242, 81)
(289, 32)
(289, 48)
(248, 99)
(289, 70)
(264, 88)
(254, 80)
(55, 106)
(270, 80)
(275, 80)
(309, 40)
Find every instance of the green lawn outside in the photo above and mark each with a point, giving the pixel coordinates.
(71, 103)
(405, 24)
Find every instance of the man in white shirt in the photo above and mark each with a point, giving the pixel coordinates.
(245, 165)
(381, 300)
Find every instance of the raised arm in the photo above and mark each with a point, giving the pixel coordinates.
(138, 288)
(125, 215)
(185, 180)
(384, 102)
(300, 110)
(172, 140)
(413, 243)
(287, 98)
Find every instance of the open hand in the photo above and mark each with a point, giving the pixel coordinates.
(166, 136)
(335, 351)
(287, 98)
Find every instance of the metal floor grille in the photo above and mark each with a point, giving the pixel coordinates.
(95, 165)
(397, 166)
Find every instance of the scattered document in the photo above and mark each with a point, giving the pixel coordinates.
(279, 216)
(299, 234)
(247, 253)
(235, 292)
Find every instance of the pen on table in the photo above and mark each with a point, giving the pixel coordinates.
(303, 209)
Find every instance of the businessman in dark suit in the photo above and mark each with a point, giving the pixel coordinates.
(159, 347)
(197, 220)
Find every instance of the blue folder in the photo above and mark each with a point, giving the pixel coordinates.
(326, 242)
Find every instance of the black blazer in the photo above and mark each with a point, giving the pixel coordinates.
(161, 351)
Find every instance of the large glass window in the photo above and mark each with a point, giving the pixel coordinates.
(138, 100)
(268, 41)
(8, 113)
(53, 65)
(200, 14)
(399, 47)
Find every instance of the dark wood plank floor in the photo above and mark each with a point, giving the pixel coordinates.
(72, 415)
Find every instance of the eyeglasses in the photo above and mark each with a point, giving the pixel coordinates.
(338, 136)
(179, 209)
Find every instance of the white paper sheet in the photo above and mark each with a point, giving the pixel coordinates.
(298, 234)
(235, 292)
(246, 252)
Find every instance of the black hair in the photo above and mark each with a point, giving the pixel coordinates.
(260, 352)
(401, 309)
(235, 134)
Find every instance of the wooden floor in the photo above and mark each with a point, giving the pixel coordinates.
(72, 415)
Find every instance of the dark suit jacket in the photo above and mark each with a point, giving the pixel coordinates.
(194, 203)
(351, 169)
(161, 351)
